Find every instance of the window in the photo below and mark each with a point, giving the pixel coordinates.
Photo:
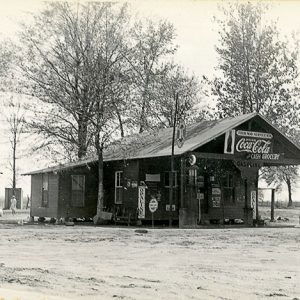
(45, 185)
(78, 190)
(228, 189)
(119, 187)
(167, 179)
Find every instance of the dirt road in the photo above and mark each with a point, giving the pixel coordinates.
(85, 262)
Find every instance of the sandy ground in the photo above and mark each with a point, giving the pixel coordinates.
(85, 262)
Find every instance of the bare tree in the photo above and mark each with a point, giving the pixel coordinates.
(64, 64)
(72, 67)
(175, 81)
(152, 45)
(14, 115)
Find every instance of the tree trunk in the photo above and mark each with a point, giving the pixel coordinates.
(14, 183)
(82, 137)
(143, 119)
(120, 123)
(100, 182)
(289, 185)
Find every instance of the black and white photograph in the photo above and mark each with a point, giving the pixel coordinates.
(149, 150)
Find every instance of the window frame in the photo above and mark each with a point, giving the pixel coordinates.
(229, 188)
(175, 182)
(119, 185)
(78, 203)
(45, 190)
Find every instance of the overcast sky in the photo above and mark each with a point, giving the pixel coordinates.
(196, 32)
(196, 35)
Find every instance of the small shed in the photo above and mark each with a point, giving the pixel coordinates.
(215, 177)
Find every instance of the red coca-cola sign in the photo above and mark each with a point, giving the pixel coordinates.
(253, 142)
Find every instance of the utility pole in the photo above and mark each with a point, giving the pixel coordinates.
(172, 161)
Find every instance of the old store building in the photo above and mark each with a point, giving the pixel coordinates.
(215, 177)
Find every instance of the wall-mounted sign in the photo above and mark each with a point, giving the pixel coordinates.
(168, 207)
(153, 205)
(229, 142)
(255, 134)
(216, 201)
(141, 202)
(247, 163)
(253, 203)
(153, 177)
(215, 185)
(181, 132)
(216, 191)
(253, 142)
(200, 196)
(265, 156)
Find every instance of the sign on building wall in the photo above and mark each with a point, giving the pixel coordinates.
(253, 142)
(216, 201)
(180, 134)
(216, 197)
(229, 142)
(253, 203)
(250, 144)
(153, 177)
(141, 202)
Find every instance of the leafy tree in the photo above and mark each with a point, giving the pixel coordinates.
(258, 71)
(278, 175)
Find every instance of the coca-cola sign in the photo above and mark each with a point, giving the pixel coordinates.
(253, 142)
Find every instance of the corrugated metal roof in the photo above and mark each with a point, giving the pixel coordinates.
(157, 144)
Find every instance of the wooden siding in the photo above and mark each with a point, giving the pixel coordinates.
(130, 192)
(65, 208)
(238, 208)
(280, 145)
(36, 208)
(160, 166)
(134, 172)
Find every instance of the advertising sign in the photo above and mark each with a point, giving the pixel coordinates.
(153, 204)
(181, 132)
(216, 191)
(253, 142)
(253, 203)
(229, 142)
(216, 201)
(141, 202)
(251, 145)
